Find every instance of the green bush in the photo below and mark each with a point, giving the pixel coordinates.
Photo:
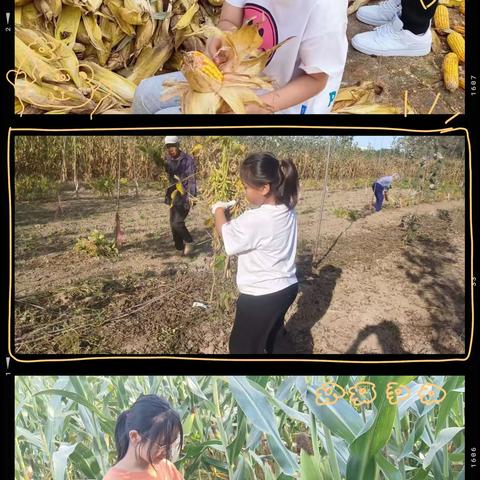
(96, 245)
(33, 187)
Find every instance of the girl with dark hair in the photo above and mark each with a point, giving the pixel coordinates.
(265, 241)
(148, 437)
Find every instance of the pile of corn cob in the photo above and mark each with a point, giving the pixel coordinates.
(88, 56)
(454, 45)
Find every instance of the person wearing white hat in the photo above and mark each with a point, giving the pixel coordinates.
(180, 167)
(402, 28)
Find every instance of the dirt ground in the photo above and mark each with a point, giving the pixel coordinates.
(421, 76)
(374, 287)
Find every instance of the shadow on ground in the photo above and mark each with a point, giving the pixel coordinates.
(442, 293)
(388, 335)
(316, 291)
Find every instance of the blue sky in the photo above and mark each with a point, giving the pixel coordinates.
(379, 141)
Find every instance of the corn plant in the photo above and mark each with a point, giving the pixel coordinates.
(264, 427)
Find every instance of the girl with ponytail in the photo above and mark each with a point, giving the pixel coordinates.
(265, 241)
(148, 438)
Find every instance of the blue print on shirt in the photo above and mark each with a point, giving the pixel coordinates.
(332, 97)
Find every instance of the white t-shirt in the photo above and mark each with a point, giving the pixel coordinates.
(265, 240)
(319, 28)
(386, 182)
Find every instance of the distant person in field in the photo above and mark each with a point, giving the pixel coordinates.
(380, 189)
(148, 438)
(265, 240)
(180, 167)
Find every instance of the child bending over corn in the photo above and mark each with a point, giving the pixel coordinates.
(148, 437)
(307, 69)
(265, 241)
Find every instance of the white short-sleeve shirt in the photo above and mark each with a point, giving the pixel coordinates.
(319, 43)
(386, 182)
(265, 241)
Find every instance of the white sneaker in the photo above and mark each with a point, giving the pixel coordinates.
(188, 249)
(391, 40)
(381, 13)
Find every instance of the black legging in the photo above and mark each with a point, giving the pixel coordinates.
(259, 323)
(415, 18)
(178, 214)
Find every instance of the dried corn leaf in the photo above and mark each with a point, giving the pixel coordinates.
(150, 61)
(186, 18)
(94, 32)
(67, 24)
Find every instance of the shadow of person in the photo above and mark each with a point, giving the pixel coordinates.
(388, 335)
(316, 292)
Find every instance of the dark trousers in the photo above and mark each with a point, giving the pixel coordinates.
(415, 18)
(379, 196)
(259, 323)
(181, 235)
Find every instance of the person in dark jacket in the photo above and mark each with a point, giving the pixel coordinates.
(180, 168)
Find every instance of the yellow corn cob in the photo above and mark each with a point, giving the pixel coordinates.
(450, 71)
(216, 3)
(461, 8)
(201, 73)
(460, 29)
(461, 83)
(441, 18)
(457, 43)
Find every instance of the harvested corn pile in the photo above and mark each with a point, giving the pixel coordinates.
(450, 42)
(230, 85)
(87, 56)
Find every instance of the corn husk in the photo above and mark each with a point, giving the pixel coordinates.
(49, 97)
(67, 24)
(109, 82)
(150, 61)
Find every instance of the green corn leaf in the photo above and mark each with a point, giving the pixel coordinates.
(238, 442)
(389, 470)
(60, 459)
(444, 437)
(341, 419)
(308, 467)
(244, 470)
(447, 403)
(361, 464)
(260, 413)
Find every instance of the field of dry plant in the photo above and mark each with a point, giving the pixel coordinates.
(390, 282)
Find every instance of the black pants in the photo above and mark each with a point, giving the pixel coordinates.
(415, 18)
(181, 235)
(259, 323)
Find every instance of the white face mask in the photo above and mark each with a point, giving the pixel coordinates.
(175, 450)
